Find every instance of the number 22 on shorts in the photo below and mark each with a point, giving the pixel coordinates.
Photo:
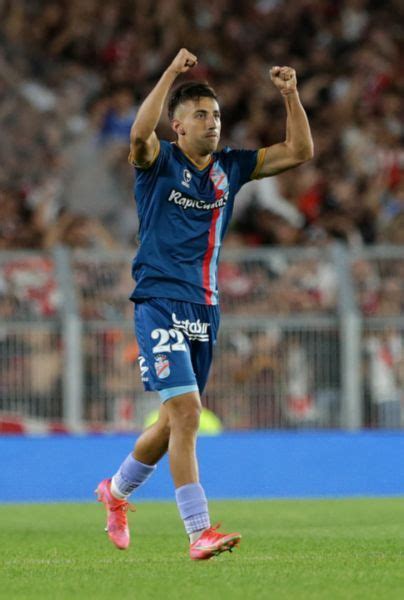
(164, 338)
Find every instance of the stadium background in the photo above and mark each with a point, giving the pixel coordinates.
(311, 274)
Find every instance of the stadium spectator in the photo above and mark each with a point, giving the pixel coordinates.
(61, 63)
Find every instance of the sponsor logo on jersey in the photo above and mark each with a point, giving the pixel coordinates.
(186, 203)
(186, 178)
(162, 366)
(143, 369)
(194, 330)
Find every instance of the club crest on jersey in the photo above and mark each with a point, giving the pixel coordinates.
(162, 366)
(186, 178)
(220, 182)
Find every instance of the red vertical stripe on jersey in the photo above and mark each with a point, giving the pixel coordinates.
(208, 256)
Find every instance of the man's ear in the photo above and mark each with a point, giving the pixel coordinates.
(178, 127)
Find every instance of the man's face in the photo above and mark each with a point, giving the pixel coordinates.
(197, 122)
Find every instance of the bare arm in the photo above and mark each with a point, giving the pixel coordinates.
(298, 146)
(143, 139)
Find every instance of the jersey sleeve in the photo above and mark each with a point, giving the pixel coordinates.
(146, 179)
(248, 164)
(158, 160)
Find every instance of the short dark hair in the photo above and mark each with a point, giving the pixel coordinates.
(189, 90)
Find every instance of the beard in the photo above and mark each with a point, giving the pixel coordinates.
(209, 145)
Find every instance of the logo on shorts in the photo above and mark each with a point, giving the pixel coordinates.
(186, 178)
(162, 366)
(194, 330)
(143, 369)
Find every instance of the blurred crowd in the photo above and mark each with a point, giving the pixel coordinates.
(72, 75)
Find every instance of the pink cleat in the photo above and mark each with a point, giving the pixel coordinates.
(117, 521)
(211, 543)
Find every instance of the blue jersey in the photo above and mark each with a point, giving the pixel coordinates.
(184, 212)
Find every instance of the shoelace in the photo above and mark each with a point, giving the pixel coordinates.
(120, 510)
(213, 530)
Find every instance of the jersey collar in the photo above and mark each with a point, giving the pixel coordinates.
(208, 162)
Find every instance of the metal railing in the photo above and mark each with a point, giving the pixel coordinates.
(31, 369)
(271, 373)
(378, 275)
(303, 340)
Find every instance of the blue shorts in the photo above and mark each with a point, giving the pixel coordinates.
(176, 342)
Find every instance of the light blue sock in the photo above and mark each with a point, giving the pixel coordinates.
(130, 475)
(193, 507)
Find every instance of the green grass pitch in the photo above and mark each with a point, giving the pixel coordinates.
(290, 550)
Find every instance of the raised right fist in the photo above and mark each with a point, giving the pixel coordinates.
(183, 62)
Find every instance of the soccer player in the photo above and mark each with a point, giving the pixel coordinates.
(185, 192)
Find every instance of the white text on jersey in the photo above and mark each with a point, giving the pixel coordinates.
(185, 202)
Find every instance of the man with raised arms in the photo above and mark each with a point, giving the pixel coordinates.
(185, 193)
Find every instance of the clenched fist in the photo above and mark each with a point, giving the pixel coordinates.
(284, 78)
(183, 62)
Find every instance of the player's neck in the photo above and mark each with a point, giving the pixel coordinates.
(199, 160)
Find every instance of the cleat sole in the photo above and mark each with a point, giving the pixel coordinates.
(228, 546)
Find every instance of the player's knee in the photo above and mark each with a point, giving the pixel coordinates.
(185, 413)
(188, 421)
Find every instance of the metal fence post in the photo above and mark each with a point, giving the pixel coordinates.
(350, 336)
(72, 342)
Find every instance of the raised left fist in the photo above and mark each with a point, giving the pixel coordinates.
(284, 78)
(184, 61)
